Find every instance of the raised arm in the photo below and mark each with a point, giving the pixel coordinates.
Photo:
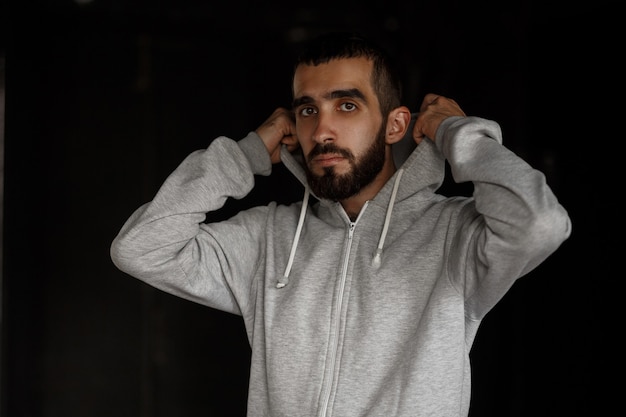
(514, 221)
(166, 242)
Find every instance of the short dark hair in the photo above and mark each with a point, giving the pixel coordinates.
(337, 45)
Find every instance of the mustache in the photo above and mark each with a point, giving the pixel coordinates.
(321, 149)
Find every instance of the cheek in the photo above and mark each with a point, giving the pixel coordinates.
(304, 138)
(359, 138)
(306, 148)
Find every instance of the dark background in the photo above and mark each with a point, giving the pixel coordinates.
(104, 99)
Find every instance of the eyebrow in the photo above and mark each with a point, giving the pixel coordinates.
(349, 93)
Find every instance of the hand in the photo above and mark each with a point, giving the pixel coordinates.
(433, 111)
(279, 128)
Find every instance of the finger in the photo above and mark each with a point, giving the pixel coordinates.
(429, 99)
(290, 139)
(433, 98)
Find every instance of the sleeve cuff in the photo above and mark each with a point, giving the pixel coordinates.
(253, 148)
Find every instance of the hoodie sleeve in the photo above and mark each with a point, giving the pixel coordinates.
(512, 224)
(166, 243)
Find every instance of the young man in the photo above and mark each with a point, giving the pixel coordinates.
(365, 303)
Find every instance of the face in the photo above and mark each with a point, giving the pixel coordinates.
(339, 126)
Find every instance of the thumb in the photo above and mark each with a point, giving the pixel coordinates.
(291, 142)
(418, 134)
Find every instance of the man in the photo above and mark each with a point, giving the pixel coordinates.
(365, 303)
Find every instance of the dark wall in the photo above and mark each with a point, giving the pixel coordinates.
(103, 100)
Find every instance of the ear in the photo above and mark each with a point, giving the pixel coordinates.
(397, 124)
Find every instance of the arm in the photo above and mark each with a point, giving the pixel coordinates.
(166, 243)
(514, 221)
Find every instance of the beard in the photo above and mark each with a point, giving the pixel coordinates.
(337, 187)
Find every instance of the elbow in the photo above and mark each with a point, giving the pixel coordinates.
(122, 257)
(549, 230)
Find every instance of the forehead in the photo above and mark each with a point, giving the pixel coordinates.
(337, 74)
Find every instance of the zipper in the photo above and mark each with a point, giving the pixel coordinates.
(335, 341)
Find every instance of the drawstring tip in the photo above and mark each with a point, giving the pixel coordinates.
(377, 256)
(282, 282)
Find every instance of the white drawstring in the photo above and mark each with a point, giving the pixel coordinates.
(305, 202)
(379, 250)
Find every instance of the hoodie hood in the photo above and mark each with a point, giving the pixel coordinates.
(420, 170)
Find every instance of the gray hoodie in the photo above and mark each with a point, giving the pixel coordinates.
(374, 317)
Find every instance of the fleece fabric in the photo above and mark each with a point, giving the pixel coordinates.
(376, 317)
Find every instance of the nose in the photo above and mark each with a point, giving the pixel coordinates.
(323, 132)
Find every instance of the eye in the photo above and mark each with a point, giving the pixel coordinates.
(307, 111)
(348, 106)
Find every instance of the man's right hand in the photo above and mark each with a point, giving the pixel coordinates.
(279, 128)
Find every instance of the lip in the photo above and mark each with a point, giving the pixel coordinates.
(327, 160)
